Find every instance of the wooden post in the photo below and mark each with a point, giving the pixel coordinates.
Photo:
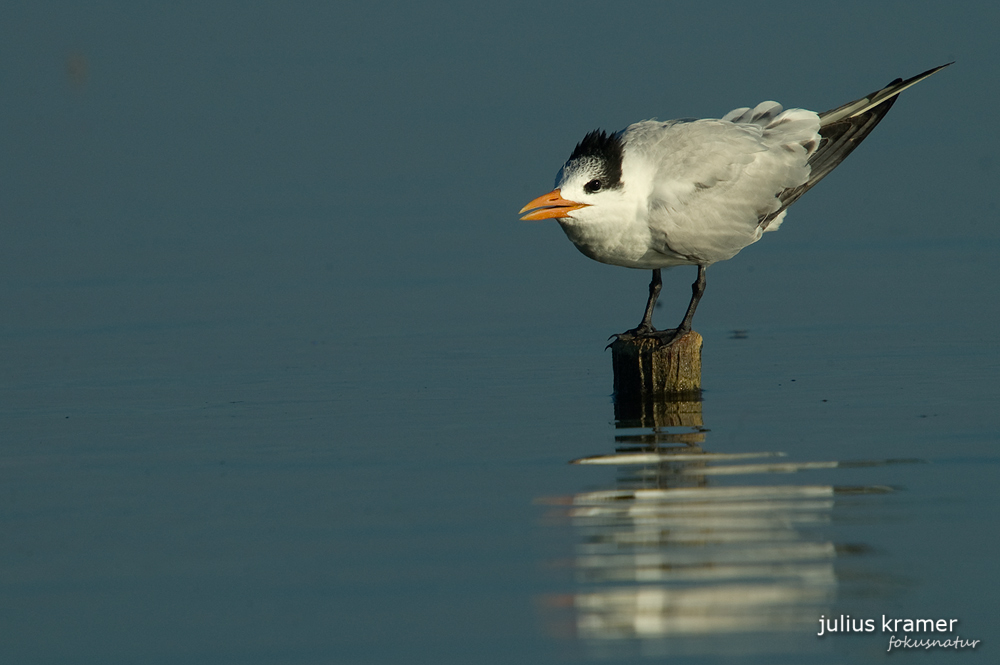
(647, 367)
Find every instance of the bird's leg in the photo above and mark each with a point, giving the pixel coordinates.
(645, 327)
(697, 289)
(655, 284)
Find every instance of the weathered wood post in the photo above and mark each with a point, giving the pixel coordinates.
(649, 367)
(658, 384)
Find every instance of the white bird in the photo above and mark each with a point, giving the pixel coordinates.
(693, 192)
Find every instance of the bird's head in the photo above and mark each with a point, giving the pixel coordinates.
(589, 182)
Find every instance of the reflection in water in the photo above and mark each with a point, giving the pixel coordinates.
(684, 552)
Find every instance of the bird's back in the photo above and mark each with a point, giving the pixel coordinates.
(711, 183)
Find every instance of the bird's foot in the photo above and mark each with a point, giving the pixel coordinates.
(649, 332)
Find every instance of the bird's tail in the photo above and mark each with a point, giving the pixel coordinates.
(843, 128)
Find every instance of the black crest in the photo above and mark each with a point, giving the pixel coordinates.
(603, 150)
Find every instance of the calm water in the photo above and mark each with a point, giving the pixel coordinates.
(285, 380)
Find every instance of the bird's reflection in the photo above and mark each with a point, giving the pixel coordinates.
(690, 546)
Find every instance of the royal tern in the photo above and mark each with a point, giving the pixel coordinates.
(692, 192)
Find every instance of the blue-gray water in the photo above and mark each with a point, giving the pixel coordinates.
(285, 380)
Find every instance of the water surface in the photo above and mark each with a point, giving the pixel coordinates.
(286, 381)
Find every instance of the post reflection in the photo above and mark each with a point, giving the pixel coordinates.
(691, 546)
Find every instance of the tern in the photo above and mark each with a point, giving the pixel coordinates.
(693, 192)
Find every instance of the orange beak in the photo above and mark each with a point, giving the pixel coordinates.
(550, 205)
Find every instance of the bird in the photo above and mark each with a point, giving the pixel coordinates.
(657, 194)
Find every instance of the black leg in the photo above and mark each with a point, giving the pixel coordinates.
(646, 326)
(697, 290)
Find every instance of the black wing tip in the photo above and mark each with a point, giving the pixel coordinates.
(922, 75)
(938, 68)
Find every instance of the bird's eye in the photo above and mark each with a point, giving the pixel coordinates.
(592, 186)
